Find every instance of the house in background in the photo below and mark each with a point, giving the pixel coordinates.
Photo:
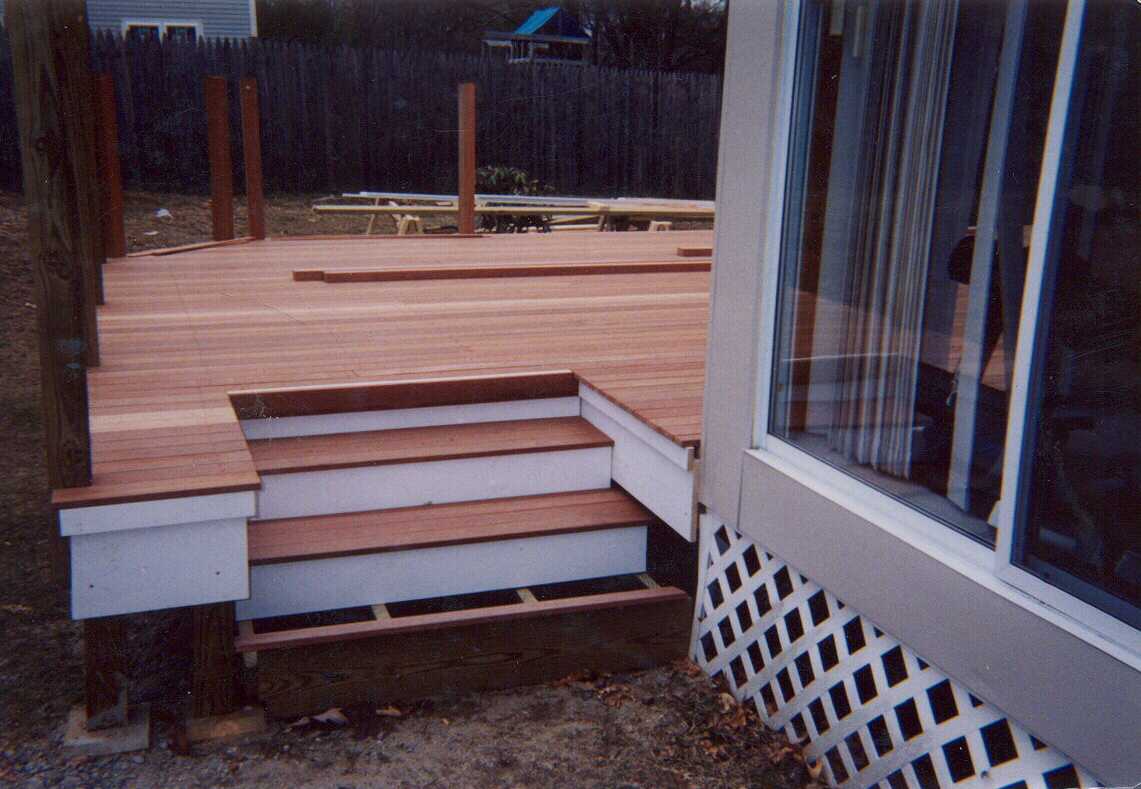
(550, 35)
(921, 547)
(189, 20)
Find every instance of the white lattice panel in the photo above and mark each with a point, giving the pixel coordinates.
(870, 708)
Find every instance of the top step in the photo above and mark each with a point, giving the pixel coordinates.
(422, 444)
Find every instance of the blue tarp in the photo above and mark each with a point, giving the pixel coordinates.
(552, 22)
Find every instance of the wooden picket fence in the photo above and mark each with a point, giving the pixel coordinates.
(337, 119)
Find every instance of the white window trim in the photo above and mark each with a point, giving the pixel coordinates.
(991, 569)
(162, 25)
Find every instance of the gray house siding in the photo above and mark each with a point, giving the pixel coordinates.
(219, 18)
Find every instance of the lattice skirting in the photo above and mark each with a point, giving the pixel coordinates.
(873, 710)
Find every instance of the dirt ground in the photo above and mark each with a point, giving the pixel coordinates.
(670, 727)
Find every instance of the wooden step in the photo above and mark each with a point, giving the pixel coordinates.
(395, 658)
(423, 444)
(406, 528)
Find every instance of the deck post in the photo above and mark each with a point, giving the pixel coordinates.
(466, 191)
(53, 90)
(214, 680)
(251, 149)
(105, 670)
(110, 169)
(221, 165)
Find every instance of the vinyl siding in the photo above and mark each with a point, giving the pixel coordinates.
(219, 18)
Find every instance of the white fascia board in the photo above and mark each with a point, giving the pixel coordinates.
(160, 512)
(126, 572)
(677, 454)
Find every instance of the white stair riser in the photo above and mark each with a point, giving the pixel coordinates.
(437, 481)
(355, 422)
(349, 581)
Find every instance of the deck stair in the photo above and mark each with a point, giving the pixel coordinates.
(475, 546)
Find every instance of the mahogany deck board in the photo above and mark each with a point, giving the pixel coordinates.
(180, 332)
(290, 539)
(418, 444)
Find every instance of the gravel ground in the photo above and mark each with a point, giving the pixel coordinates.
(670, 727)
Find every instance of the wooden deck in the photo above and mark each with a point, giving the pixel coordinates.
(178, 332)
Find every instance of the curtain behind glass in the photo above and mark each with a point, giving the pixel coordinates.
(874, 416)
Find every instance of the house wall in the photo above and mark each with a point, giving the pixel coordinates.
(1049, 673)
(219, 18)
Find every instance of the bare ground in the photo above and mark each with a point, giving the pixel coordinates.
(670, 727)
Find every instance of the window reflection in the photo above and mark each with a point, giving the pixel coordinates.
(1083, 519)
(897, 329)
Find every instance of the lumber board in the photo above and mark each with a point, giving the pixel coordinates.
(415, 393)
(694, 252)
(423, 444)
(405, 528)
(476, 650)
(481, 272)
(612, 209)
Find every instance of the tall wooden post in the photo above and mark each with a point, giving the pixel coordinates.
(221, 167)
(110, 169)
(214, 675)
(251, 147)
(466, 190)
(53, 97)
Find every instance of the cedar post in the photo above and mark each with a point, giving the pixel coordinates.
(221, 167)
(466, 190)
(214, 677)
(105, 670)
(110, 169)
(251, 147)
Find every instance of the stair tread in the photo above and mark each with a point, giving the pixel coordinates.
(405, 528)
(420, 444)
(254, 642)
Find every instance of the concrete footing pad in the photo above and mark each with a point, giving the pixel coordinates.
(135, 735)
(235, 724)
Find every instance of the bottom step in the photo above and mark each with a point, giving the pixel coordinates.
(497, 644)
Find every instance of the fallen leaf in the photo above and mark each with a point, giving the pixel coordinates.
(390, 712)
(297, 724)
(16, 609)
(332, 716)
(727, 702)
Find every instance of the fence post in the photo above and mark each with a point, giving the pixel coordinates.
(218, 150)
(110, 169)
(466, 191)
(251, 149)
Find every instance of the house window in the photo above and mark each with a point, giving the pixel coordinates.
(904, 251)
(182, 33)
(139, 32)
(162, 30)
(923, 319)
(1079, 519)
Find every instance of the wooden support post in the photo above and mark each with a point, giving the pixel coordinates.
(110, 169)
(214, 683)
(466, 190)
(251, 149)
(53, 95)
(218, 150)
(105, 669)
